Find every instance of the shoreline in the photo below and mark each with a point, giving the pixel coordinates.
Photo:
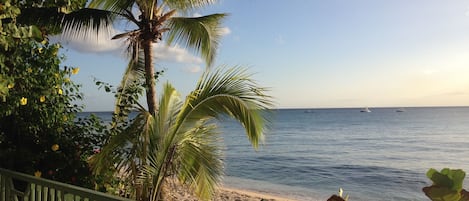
(225, 194)
(236, 194)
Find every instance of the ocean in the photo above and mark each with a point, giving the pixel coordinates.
(309, 154)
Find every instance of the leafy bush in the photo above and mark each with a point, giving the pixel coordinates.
(447, 185)
(37, 111)
(37, 119)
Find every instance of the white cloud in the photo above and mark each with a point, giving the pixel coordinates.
(225, 31)
(174, 54)
(162, 52)
(100, 43)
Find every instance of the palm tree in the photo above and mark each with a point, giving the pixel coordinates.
(183, 139)
(173, 138)
(154, 19)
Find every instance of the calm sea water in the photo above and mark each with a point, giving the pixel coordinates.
(381, 155)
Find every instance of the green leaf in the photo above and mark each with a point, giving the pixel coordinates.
(447, 184)
(439, 179)
(36, 33)
(202, 34)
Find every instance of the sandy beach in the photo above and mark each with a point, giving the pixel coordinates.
(228, 194)
(232, 194)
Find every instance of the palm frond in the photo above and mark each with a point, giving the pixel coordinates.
(169, 108)
(125, 150)
(186, 5)
(202, 34)
(185, 142)
(199, 159)
(161, 141)
(194, 155)
(83, 23)
(116, 6)
(88, 24)
(117, 149)
(130, 87)
(126, 34)
(229, 92)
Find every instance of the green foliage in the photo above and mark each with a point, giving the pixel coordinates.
(447, 185)
(10, 31)
(38, 116)
(200, 33)
(65, 6)
(182, 141)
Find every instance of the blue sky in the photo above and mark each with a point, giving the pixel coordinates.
(314, 54)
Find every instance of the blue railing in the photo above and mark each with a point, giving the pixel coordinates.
(38, 189)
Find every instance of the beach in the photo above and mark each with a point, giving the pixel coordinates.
(228, 194)
(232, 194)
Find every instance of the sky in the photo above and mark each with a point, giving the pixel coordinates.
(314, 54)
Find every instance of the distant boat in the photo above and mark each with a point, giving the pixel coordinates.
(309, 111)
(365, 110)
(400, 110)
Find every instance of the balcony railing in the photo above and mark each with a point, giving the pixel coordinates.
(38, 189)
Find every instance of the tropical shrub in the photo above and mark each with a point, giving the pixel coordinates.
(39, 131)
(179, 147)
(447, 185)
(38, 116)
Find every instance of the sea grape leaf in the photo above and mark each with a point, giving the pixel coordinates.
(452, 179)
(440, 179)
(458, 177)
(447, 185)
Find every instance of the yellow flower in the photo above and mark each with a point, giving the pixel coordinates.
(75, 70)
(55, 147)
(11, 85)
(67, 80)
(55, 51)
(59, 91)
(41, 50)
(42, 99)
(29, 70)
(23, 101)
(56, 75)
(37, 173)
(65, 118)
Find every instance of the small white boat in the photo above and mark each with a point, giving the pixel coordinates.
(365, 110)
(400, 110)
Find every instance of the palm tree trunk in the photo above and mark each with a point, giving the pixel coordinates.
(149, 76)
(151, 102)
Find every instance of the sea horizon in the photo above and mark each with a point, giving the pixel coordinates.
(345, 107)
